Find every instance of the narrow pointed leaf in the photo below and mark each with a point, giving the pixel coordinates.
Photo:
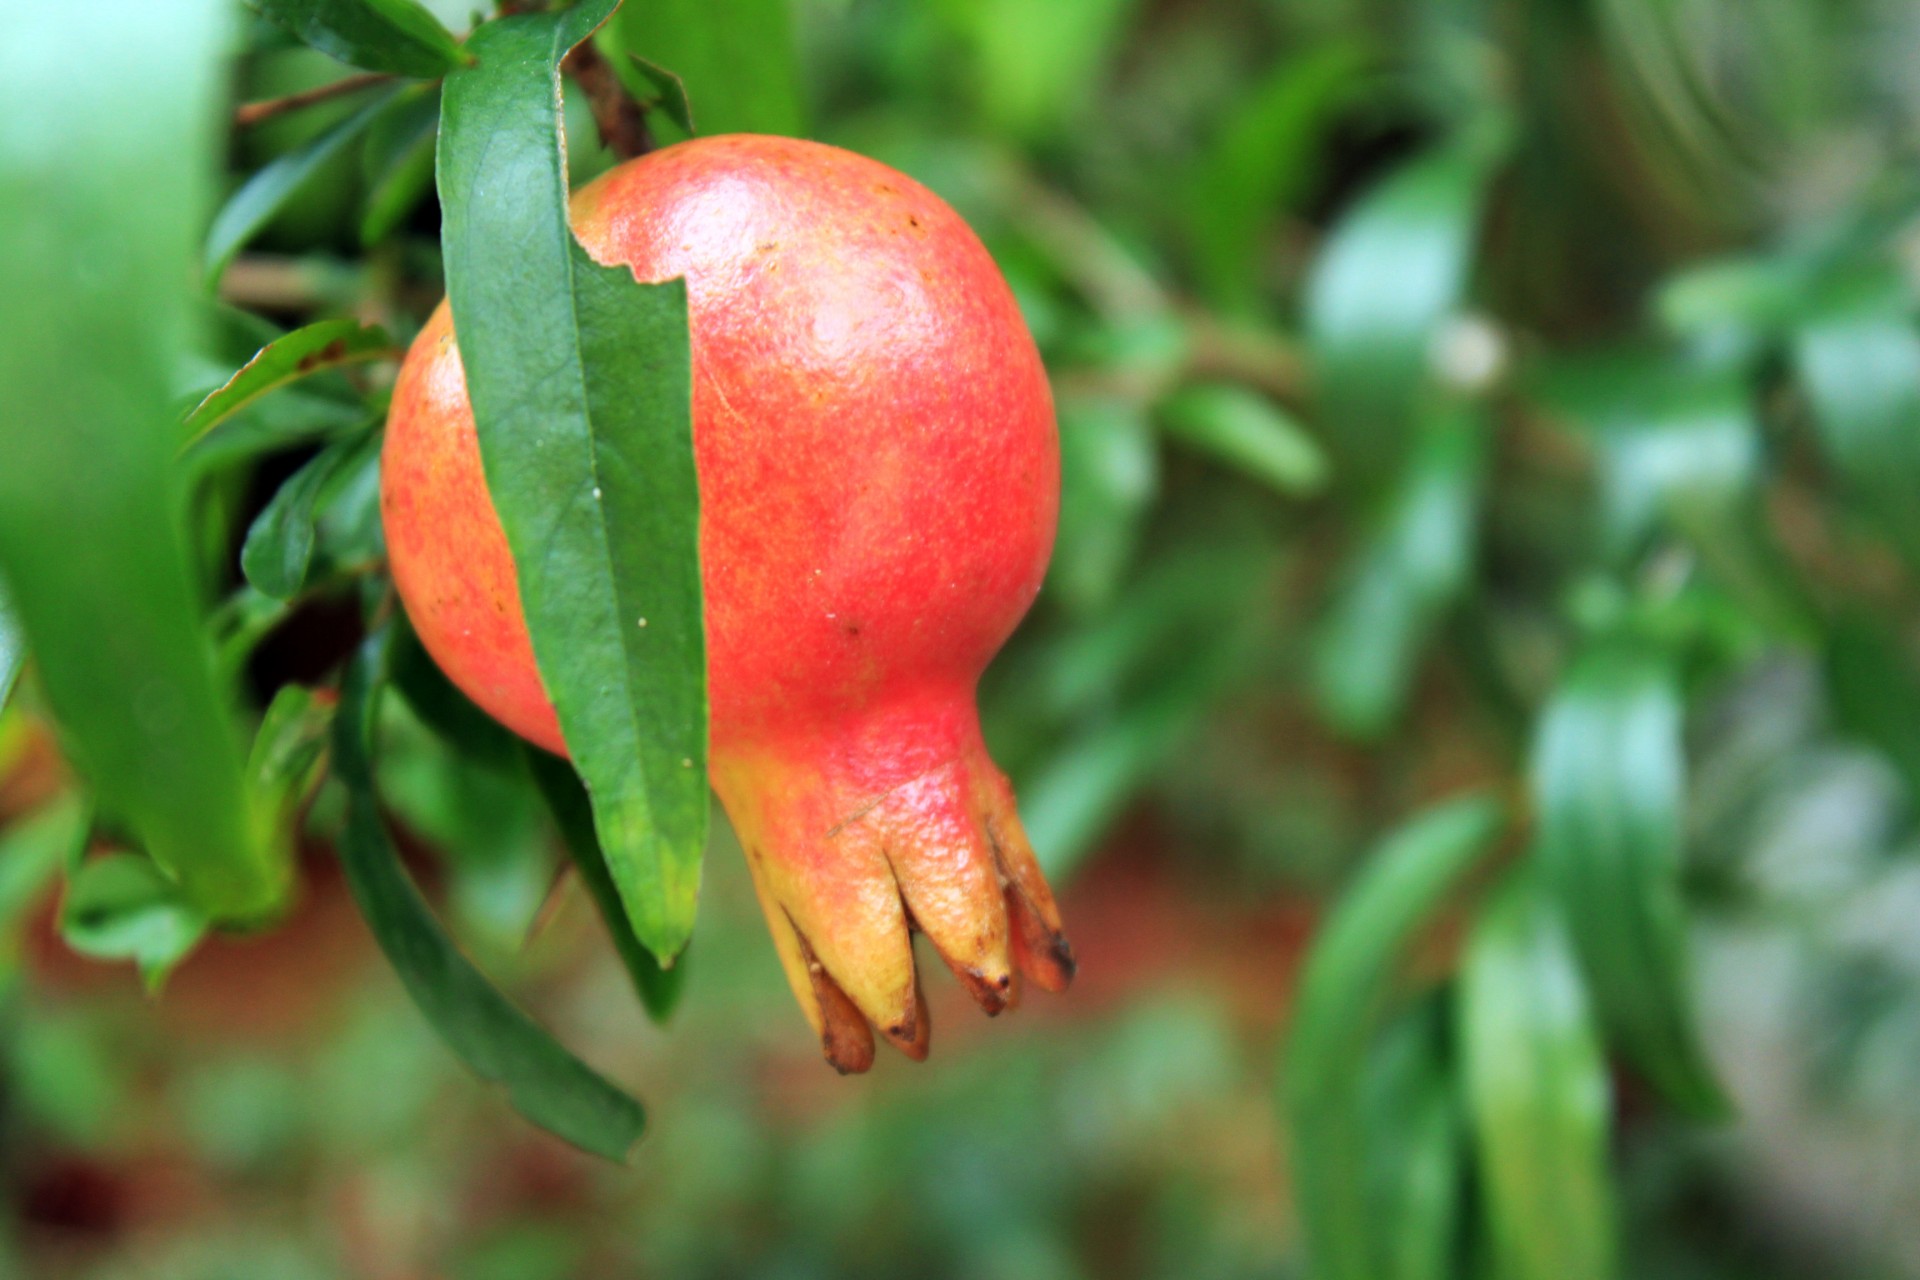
(1344, 995)
(1392, 270)
(328, 344)
(1536, 1084)
(122, 907)
(397, 36)
(263, 195)
(657, 89)
(97, 320)
(279, 545)
(1109, 470)
(33, 850)
(659, 989)
(547, 1084)
(1248, 432)
(399, 162)
(1415, 1145)
(447, 711)
(736, 60)
(1860, 367)
(1609, 785)
(1416, 562)
(582, 390)
(1261, 161)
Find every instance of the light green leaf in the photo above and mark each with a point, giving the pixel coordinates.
(1860, 368)
(1391, 272)
(1344, 993)
(261, 196)
(95, 324)
(1109, 471)
(736, 59)
(1401, 580)
(397, 36)
(1415, 1145)
(1248, 431)
(547, 1084)
(657, 89)
(1067, 804)
(1261, 161)
(1036, 65)
(1536, 1083)
(279, 545)
(328, 344)
(581, 384)
(1609, 785)
(33, 850)
(286, 749)
(122, 907)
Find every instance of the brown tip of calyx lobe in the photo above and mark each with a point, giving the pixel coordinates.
(942, 845)
(845, 1038)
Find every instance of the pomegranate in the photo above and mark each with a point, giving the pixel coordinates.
(879, 480)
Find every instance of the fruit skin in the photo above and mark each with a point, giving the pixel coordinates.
(879, 478)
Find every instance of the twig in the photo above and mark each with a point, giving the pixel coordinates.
(622, 121)
(253, 113)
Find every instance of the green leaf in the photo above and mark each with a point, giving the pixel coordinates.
(261, 196)
(546, 1083)
(659, 989)
(123, 907)
(1874, 692)
(657, 89)
(399, 161)
(736, 59)
(1417, 562)
(1036, 65)
(447, 711)
(1537, 1086)
(96, 322)
(279, 545)
(1860, 368)
(396, 36)
(13, 648)
(1344, 993)
(581, 384)
(1109, 472)
(286, 749)
(1414, 1144)
(1678, 445)
(1609, 786)
(1391, 272)
(1068, 803)
(328, 344)
(1246, 430)
(32, 852)
(1261, 162)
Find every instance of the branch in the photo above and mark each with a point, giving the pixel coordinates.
(253, 113)
(622, 121)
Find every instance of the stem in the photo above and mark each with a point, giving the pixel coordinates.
(253, 113)
(622, 121)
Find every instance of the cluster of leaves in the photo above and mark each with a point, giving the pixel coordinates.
(135, 676)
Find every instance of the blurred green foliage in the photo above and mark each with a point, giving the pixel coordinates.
(1455, 396)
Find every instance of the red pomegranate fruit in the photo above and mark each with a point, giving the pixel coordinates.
(879, 480)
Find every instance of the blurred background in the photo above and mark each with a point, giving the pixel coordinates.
(1400, 348)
